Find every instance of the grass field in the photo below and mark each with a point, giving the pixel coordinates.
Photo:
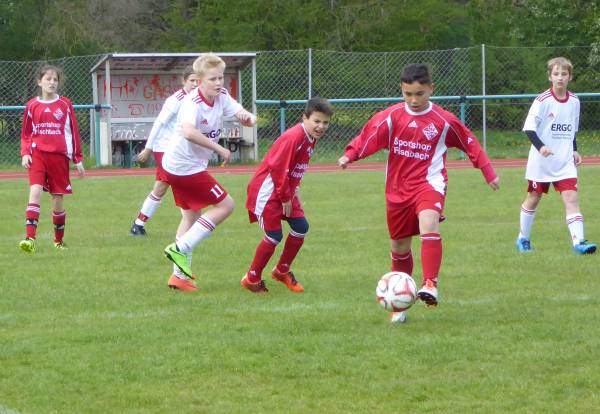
(96, 330)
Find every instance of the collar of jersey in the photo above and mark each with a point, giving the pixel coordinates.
(557, 98)
(423, 112)
(40, 100)
(311, 139)
(203, 98)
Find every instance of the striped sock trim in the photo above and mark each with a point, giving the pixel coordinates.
(270, 240)
(209, 225)
(298, 235)
(431, 236)
(527, 211)
(396, 256)
(153, 197)
(33, 207)
(574, 218)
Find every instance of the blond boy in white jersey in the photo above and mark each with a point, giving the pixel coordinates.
(551, 126)
(199, 125)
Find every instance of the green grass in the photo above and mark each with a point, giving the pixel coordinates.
(96, 330)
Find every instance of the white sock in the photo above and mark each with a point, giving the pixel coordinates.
(201, 229)
(575, 224)
(527, 217)
(179, 274)
(151, 203)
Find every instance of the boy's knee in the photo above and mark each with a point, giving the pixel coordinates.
(227, 204)
(276, 235)
(299, 225)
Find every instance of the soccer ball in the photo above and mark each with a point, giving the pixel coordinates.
(396, 291)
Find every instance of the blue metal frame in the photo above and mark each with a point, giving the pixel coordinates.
(282, 103)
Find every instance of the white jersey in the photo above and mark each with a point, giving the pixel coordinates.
(183, 157)
(555, 122)
(165, 124)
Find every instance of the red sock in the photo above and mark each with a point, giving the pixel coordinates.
(290, 250)
(264, 251)
(431, 256)
(402, 262)
(59, 219)
(32, 215)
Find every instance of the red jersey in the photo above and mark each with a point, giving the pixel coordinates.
(50, 126)
(281, 169)
(417, 144)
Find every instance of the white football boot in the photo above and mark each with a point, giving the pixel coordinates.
(428, 293)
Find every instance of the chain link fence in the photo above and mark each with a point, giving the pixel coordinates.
(299, 74)
(18, 85)
(481, 70)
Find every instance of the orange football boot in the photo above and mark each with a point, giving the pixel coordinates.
(181, 284)
(253, 287)
(287, 279)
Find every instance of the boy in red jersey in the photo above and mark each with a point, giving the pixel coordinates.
(551, 126)
(273, 196)
(49, 139)
(417, 134)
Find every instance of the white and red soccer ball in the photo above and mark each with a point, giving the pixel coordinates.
(396, 291)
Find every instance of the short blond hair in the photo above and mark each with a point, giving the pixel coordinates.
(560, 62)
(207, 61)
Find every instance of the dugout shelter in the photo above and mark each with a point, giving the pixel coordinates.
(135, 86)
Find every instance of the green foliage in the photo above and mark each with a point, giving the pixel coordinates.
(34, 29)
(95, 330)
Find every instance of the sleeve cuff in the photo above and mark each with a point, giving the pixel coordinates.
(351, 154)
(488, 173)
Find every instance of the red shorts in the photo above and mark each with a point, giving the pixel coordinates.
(272, 215)
(161, 174)
(403, 220)
(51, 171)
(196, 191)
(560, 186)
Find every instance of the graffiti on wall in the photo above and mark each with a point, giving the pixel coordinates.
(142, 96)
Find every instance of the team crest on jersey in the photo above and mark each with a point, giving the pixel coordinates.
(58, 114)
(204, 122)
(310, 151)
(430, 131)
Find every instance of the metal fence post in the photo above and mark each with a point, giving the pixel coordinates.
(282, 105)
(483, 108)
(97, 108)
(309, 73)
